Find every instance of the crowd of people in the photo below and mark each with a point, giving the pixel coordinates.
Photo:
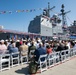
(40, 46)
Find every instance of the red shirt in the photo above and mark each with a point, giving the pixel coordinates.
(49, 50)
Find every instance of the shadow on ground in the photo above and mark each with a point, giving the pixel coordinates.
(23, 71)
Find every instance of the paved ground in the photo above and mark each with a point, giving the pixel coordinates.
(16, 70)
(67, 68)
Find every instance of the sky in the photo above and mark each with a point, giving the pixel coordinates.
(20, 20)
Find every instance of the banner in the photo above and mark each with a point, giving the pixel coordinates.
(19, 11)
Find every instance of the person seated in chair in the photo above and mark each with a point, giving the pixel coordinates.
(39, 51)
(3, 47)
(23, 48)
(48, 49)
(14, 49)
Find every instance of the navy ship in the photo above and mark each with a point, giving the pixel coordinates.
(46, 25)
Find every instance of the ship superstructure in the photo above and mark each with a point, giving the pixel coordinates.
(46, 26)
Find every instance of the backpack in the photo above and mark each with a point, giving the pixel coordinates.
(33, 67)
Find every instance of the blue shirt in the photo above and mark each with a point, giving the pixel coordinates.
(9, 46)
(38, 52)
(13, 50)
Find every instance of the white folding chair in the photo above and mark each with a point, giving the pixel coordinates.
(71, 52)
(15, 59)
(31, 54)
(50, 59)
(24, 58)
(67, 54)
(42, 62)
(4, 62)
(56, 57)
(74, 51)
(63, 55)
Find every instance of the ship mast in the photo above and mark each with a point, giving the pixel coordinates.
(64, 21)
(48, 9)
(46, 12)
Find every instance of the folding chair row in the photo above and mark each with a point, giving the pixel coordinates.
(66, 54)
(17, 58)
(53, 58)
(11, 60)
(46, 61)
